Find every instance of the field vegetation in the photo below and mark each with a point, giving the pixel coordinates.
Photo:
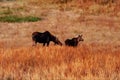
(96, 58)
(19, 19)
(86, 62)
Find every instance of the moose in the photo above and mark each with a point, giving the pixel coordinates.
(74, 41)
(45, 38)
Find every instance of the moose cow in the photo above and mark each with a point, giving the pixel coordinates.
(74, 41)
(44, 38)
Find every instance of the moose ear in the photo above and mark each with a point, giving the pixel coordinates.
(80, 35)
(56, 38)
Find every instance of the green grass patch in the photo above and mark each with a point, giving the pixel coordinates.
(19, 19)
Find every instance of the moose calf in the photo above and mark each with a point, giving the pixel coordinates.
(74, 41)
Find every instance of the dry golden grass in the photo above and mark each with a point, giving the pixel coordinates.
(85, 62)
(97, 58)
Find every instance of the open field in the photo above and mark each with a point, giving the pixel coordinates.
(96, 27)
(97, 58)
(86, 62)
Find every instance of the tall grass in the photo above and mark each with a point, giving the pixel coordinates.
(86, 62)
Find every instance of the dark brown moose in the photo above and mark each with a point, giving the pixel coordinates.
(74, 41)
(44, 38)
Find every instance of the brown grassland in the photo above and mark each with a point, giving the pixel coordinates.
(86, 62)
(96, 58)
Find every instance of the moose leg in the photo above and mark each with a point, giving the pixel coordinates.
(34, 43)
(48, 43)
(54, 43)
(43, 44)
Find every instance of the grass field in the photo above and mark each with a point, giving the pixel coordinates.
(86, 62)
(96, 58)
